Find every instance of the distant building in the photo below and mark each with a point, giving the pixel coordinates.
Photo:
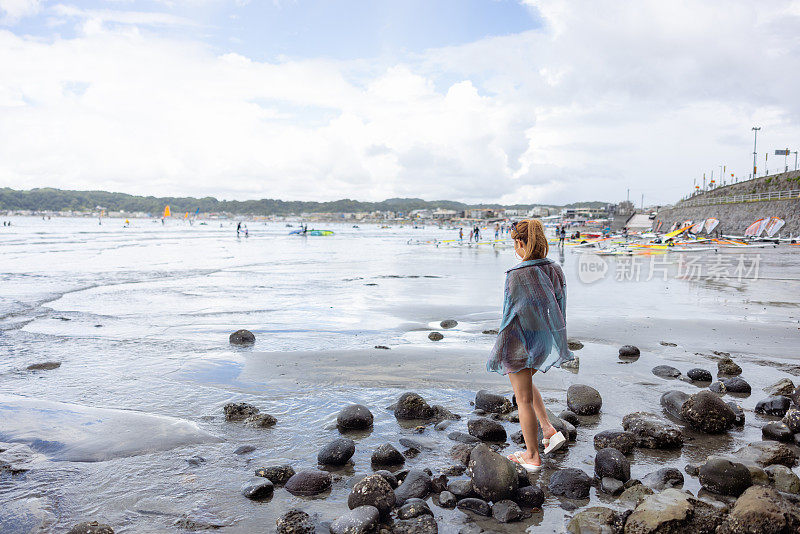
(482, 213)
(444, 214)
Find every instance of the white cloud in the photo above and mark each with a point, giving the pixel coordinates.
(607, 96)
(11, 11)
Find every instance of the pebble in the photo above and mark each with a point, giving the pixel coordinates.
(629, 351)
(611, 486)
(244, 449)
(666, 371)
(449, 323)
(435, 336)
(699, 375)
(784, 386)
(258, 489)
(242, 337)
(44, 366)
(424, 524)
(652, 432)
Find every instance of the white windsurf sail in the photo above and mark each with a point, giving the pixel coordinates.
(711, 223)
(774, 225)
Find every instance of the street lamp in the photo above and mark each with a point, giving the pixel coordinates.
(755, 137)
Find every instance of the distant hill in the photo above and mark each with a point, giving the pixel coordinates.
(49, 199)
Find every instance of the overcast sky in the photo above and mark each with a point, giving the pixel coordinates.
(473, 100)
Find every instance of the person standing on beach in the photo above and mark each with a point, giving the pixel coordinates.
(533, 336)
(461, 234)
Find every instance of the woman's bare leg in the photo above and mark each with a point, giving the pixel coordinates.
(531, 407)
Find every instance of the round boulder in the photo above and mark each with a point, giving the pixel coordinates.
(672, 402)
(416, 485)
(447, 500)
(706, 412)
(784, 386)
(629, 351)
(91, 527)
(337, 452)
(506, 511)
(486, 429)
(372, 490)
(242, 337)
(652, 432)
(361, 520)
(666, 477)
(449, 323)
(492, 403)
(621, 440)
(777, 431)
(295, 522)
(761, 509)
(387, 454)
(666, 371)
(411, 406)
(571, 483)
(308, 482)
(783, 479)
(476, 506)
(412, 508)
(239, 411)
(258, 489)
(530, 497)
(278, 474)
(435, 336)
(354, 417)
(583, 399)
(792, 420)
(611, 463)
(699, 375)
(728, 367)
(737, 384)
(494, 477)
(774, 405)
(720, 475)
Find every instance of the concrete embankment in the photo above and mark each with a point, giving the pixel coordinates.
(737, 206)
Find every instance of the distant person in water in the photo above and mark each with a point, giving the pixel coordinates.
(533, 336)
(562, 235)
(238, 228)
(461, 234)
(471, 235)
(477, 234)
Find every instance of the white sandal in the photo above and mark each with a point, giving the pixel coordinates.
(554, 442)
(530, 468)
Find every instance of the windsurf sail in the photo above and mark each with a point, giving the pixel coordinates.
(680, 230)
(167, 213)
(774, 224)
(186, 216)
(711, 223)
(698, 227)
(755, 229)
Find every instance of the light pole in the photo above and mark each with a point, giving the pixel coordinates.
(755, 137)
(795, 160)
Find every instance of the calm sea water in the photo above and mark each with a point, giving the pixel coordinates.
(139, 318)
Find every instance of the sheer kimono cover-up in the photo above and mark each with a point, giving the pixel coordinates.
(533, 333)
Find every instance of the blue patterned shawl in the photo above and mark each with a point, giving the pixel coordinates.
(533, 333)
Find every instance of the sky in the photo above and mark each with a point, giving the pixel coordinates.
(532, 101)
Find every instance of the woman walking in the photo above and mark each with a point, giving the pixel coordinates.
(533, 336)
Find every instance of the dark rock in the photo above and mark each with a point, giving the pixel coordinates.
(571, 483)
(492, 403)
(44, 366)
(460, 452)
(775, 405)
(413, 508)
(449, 323)
(706, 412)
(295, 522)
(783, 479)
(91, 527)
(424, 524)
(573, 364)
(761, 510)
(461, 488)
(668, 344)
(628, 351)
(337, 452)
(795, 396)
(308, 482)
(486, 429)
(435, 336)
(596, 520)
(611, 486)
(784, 386)
(239, 411)
(718, 387)
(278, 475)
(672, 402)
(386, 454)
(258, 489)
(777, 431)
(611, 463)
(666, 477)
(494, 477)
(570, 417)
(621, 440)
(490, 332)
(447, 500)
(738, 412)
(242, 337)
(354, 417)
(666, 371)
(476, 506)
(441, 413)
(244, 449)
(411, 406)
(372, 490)
(382, 347)
(692, 469)
(195, 460)
(417, 484)
(506, 511)
(454, 470)
(463, 437)
(737, 384)
(699, 375)
(583, 399)
(728, 367)
(566, 428)
(574, 344)
(530, 497)
(720, 475)
(260, 420)
(417, 443)
(766, 453)
(522, 475)
(792, 420)
(652, 432)
(439, 483)
(389, 477)
(361, 520)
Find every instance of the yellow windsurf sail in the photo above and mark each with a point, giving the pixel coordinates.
(166, 211)
(678, 231)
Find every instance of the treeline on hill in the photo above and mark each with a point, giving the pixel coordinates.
(48, 199)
